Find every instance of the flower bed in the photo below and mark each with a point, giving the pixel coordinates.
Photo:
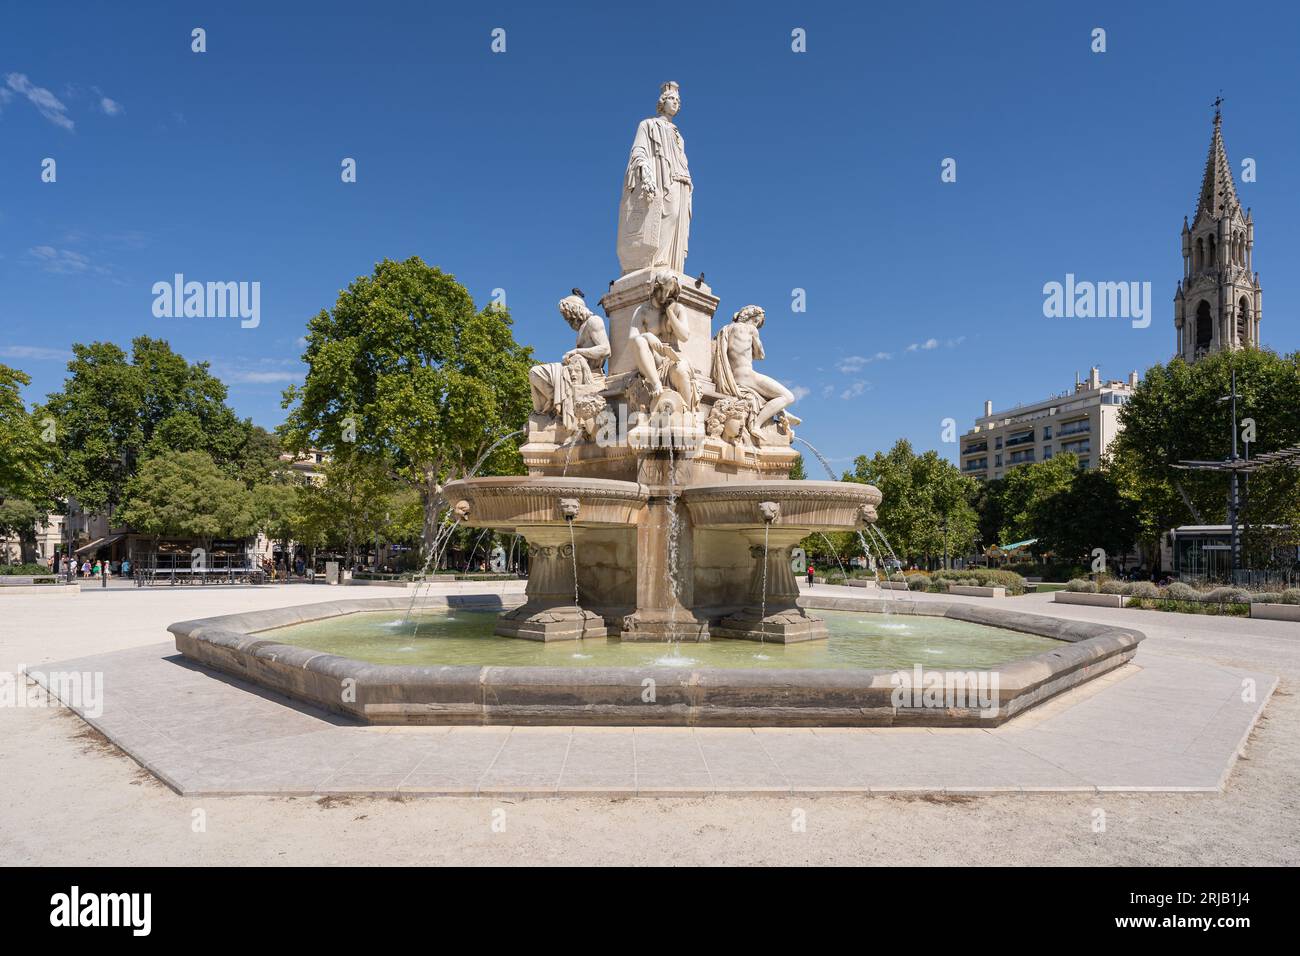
(1183, 597)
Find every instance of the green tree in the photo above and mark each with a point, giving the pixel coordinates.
(1089, 513)
(404, 372)
(356, 501)
(257, 461)
(18, 519)
(23, 456)
(279, 513)
(184, 494)
(1177, 414)
(1022, 491)
(115, 412)
(926, 502)
(988, 504)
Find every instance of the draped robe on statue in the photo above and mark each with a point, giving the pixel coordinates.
(654, 232)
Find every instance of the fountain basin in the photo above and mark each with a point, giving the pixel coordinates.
(802, 506)
(246, 646)
(514, 502)
(771, 517)
(547, 512)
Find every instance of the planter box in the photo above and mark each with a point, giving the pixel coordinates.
(1276, 612)
(971, 590)
(41, 589)
(1092, 600)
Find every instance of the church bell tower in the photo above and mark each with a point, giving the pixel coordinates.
(1217, 304)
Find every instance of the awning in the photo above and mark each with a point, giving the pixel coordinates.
(101, 542)
(1015, 545)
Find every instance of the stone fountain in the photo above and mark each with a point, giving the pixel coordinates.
(658, 504)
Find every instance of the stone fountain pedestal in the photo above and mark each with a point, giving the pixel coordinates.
(550, 612)
(665, 580)
(772, 615)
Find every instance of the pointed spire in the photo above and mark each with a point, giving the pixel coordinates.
(1218, 192)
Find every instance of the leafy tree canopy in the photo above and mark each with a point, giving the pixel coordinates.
(1177, 414)
(926, 500)
(405, 371)
(116, 412)
(23, 456)
(1087, 514)
(185, 494)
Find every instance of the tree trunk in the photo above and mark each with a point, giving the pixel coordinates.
(429, 499)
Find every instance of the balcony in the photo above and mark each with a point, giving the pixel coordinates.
(1080, 427)
(1023, 438)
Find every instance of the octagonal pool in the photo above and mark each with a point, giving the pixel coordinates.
(857, 640)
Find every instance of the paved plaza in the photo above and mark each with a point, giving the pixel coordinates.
(1168, 735)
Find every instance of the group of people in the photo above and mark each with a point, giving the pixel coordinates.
(277, 570)
(88, 569)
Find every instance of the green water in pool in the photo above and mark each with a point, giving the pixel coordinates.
(857, 640)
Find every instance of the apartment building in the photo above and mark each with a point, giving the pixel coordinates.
(1083, 422)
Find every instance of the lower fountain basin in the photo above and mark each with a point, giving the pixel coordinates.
(805, 506)
(858, 640)
(520, 501)
(652, 692)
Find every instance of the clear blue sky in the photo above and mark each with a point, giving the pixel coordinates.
(817, 171)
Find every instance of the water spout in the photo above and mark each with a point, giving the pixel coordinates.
(674, 532)
(830, 473)
(769, 511)
(569, 509)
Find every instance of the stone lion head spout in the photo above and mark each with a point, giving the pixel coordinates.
(769, 511)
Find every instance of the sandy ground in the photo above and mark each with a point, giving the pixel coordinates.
(67, 797)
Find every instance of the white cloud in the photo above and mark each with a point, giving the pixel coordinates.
(258, 377)
(34, 352)
(799, 392)
(931, 344)
(264, 371)
(110, 107)
(855, 389)
(63, 261)
(46, 103)
(828, 391)
(854, 363)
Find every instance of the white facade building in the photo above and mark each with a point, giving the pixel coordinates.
(1083, 422)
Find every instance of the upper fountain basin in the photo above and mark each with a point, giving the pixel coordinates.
(521, 501)
(809, 505)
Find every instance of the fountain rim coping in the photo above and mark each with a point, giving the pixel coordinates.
(551, 486)
(787, 488)
(544, 694)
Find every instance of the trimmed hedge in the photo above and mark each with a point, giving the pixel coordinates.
(26, 570)
(977, 577)
(1146, 594)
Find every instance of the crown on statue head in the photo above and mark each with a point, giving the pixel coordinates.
(670, 87)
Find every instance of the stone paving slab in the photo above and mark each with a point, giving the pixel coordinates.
(1167, 724)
